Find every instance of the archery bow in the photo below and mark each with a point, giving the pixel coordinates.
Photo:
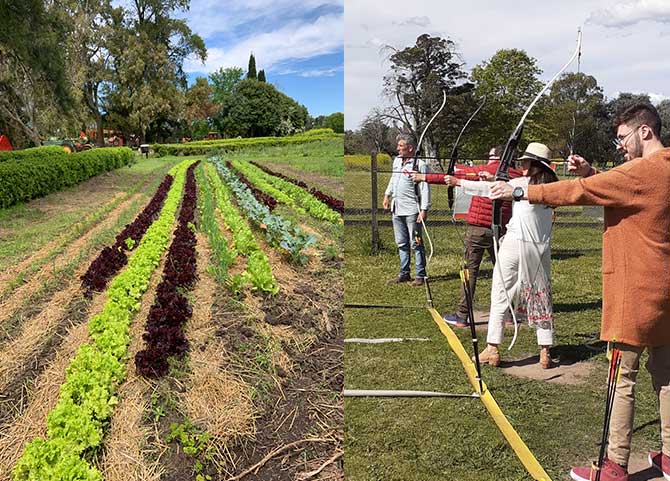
(502, 173)
(415, 168)
(454, 153)
(574, 114)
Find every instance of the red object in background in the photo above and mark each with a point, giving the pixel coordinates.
(5, 144)
(82, 135)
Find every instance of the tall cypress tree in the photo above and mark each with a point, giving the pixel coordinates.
(251, 72)
(261, 75)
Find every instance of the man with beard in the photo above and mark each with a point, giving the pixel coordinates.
(636, 270)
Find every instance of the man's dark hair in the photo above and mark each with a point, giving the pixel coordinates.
(640, 114)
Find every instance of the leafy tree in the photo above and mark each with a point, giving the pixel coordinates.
(199, 101)
(149, 48)
(224, 81)
(261, 76)
(315, 122)
(32, 67)
(664, 111)
(199, 108)
(354, 143)
(417, 77)
(251, 71)
(90, 61)
(575, 111)
(335, 121)
(258, 109)
(510, 81)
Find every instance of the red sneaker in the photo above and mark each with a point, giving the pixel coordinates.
(610, 471)
(661, 462)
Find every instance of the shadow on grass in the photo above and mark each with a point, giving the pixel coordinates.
(645, 475)
(483, 273)
(577, 306)
(565, 255)
(569, 354)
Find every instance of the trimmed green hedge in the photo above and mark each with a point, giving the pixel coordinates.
(34, 153)
(205, 147)
(38, 175)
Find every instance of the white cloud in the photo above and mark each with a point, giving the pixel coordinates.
(211, 17)
(630, 12)
(293, 41)
(319, 72)
(422, 21)
(324, 72)
(482, 27)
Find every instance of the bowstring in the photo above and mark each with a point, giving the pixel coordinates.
(512, 308)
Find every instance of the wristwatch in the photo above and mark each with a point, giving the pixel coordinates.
(517, 193)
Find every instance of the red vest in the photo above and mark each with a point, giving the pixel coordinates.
(481, 208)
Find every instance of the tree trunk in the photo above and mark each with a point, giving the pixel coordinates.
(30, 132)
(100, 140)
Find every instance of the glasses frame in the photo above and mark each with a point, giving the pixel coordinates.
(620, 143)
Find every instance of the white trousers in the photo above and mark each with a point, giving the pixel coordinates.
(504, 286)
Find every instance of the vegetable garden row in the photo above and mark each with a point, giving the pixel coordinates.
(206, 147)
(232, 208)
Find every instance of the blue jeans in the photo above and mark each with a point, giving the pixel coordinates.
(404, 227)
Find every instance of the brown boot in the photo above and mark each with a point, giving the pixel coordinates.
(490, 356)
(545, 358)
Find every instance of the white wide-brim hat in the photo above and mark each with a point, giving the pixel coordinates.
(538, 152)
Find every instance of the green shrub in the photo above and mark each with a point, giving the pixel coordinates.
(313, 132)
(50, 151)
(50, 169)
(205, 147)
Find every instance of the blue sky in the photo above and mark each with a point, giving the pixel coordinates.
(299, 44)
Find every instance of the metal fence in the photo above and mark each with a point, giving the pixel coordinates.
(364, 192)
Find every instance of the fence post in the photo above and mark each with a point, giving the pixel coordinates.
(375, 226)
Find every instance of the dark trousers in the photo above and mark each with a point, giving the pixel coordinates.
(478, 240)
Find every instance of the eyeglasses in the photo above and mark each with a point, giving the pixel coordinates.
(619, 142)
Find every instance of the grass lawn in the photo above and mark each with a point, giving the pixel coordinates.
(454, 439)
(357, 192)
(322, 157)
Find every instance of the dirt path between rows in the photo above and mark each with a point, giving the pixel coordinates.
(11, 272)
(300, 429)
(25, 291)
(31, 412)
(38, 329)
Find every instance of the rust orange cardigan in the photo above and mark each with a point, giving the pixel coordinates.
(636, 244)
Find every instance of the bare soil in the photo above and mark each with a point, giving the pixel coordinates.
(562, 373)
(299, 429)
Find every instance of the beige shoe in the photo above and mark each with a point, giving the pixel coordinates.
(545, 358)
(490, 356)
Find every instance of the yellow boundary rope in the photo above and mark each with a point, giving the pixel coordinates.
(523, 453)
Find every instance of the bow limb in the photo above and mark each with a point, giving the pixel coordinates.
(574, 114)
(416, 186)
(454, 153)
(502, 173)
(423, 134)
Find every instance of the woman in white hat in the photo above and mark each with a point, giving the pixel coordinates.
(521, 275)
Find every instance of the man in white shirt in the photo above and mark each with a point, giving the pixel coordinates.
(409, 206)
